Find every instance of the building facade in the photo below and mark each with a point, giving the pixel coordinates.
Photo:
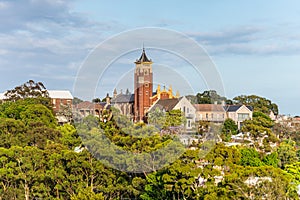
(143, 87)
(60, 99)
(239, 113)
(62, 105)
(210, 112)
(124, 103)
(182, 104)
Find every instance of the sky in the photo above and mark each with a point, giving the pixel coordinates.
(254, 45)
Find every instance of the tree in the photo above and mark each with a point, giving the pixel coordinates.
(96, 100)
(263, 119)
(87, 194)
(174, 118)
(157, 118)
(261, 123)
(286, 153)
(24, 169)
(69, 136)
(271, 159)
(203, 127)
(166, 120)
(176, 181)
(229, 128)
(76, 100)
(29, 89)
(260, 104)
(267, 183)
(294, 170)
(66, 111)
(223, 155)
(209, 97)
(38, 113)
(39, 135)
(12, 133)
(250, 157)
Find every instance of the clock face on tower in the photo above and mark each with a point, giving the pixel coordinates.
(141, 79)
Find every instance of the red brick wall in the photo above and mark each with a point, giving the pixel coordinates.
(58, 102)
(142, 94)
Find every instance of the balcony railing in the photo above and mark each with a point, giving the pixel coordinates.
(190, 116)
(211, 119)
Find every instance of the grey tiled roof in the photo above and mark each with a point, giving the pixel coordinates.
(234, 108)
(123, 98)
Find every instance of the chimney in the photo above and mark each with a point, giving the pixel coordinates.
(223, 103)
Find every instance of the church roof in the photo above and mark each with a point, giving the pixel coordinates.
(143, 58)
(123, 98)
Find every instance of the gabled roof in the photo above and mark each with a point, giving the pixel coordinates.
(60, 94)
(143, 58)
(250, 108)
(209, 107)
(165, 104)
(234, 108)
(123, 98)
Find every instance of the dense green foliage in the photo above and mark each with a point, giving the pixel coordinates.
(208, 97)
(229, 128)
(165, 120)
(41, 159)
(260, 104)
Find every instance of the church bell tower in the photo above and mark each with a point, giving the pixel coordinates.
(143, 86)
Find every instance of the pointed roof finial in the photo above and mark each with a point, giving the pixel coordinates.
(115, 93)
(143, 57)
(177, 94)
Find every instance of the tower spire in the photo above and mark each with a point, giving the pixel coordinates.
(143, 57)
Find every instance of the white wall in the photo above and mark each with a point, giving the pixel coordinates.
(190, 111)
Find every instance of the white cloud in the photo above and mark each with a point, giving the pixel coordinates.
(3, 5)
(37, 34)
(250, 40)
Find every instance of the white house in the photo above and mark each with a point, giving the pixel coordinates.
(239, 113)
(182, 104)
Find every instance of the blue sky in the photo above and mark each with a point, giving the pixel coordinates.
(255, 45)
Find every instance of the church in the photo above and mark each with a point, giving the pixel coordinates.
(136, 105)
